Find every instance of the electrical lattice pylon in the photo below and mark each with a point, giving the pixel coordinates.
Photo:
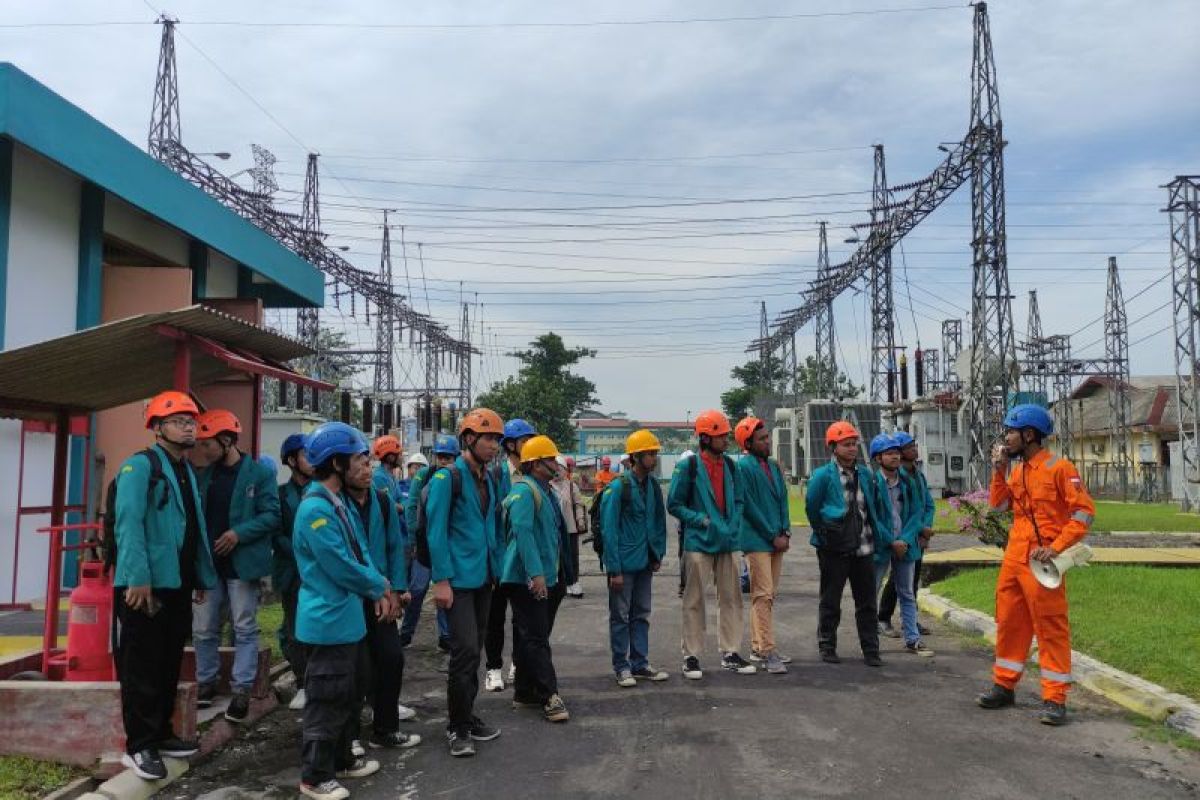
(464, 364)
(164, 113)
(308, 322)
(993, 348)
(1116, 352)
(951, 348)
(823, 327)
(883, 322)
(1035, 347)
(1183, 206)
(764, 355)
(385, 322)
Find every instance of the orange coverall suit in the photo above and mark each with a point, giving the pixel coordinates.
(1049, 502)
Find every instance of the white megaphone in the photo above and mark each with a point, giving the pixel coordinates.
(1050, 573)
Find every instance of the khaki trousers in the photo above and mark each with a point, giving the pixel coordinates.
(765, 569)
(704, 569)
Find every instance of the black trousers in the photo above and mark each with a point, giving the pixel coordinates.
(386, 675)
(682, 564)
(887, 603)
(295, 652)
(468, 621)
(333, 686)
(860, 572)
(575, 553)
(148, 657)
(494, 641)
(536, 680)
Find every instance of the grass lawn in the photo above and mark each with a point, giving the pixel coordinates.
(1139, 619)
(1110, 516)
(270, 617)
(24, 778)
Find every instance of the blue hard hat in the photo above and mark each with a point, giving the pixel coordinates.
(269, 463)
(882, 443)
(1028, 415)
(516, 428)
(290, 445)
(334, 438)
(446, 445)
(902, 438)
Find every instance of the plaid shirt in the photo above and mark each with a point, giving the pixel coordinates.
(852, 492)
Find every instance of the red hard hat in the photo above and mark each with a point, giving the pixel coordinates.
(385, 446)
(840, 431)
(712, 423)
(217, 421)
(745, 429)
(165, 404)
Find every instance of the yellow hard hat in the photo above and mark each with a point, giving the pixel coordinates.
(641, 441)
(539, 447)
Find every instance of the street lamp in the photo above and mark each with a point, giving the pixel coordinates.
(221, 155)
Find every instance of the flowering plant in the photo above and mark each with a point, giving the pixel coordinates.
(976, 517)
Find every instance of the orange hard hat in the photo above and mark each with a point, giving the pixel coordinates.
(385, 446)
(712, 423)
(217, 421)
(481, 420)
(840, 431)
(164, 404)
(745, 429)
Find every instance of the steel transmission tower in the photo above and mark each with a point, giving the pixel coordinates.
(883, 322)
(993, 350)
(164, 113)
(1183, 206)
(385, 323)
(764, 355)
(308, 322)
(464, 364)
(824, 333)
(1116, 351)
(951, 348)
(1035, 347)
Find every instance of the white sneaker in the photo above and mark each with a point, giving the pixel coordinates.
(512, 672)
(405, 711)
(356, 749)
(298, 701)
(625, 679)
(575, 590)
(361, 768)
(494, 681)
(329, 790)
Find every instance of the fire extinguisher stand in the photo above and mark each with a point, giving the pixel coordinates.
(54, 588)
(58, 504)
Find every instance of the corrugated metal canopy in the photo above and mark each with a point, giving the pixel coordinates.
(127, 360)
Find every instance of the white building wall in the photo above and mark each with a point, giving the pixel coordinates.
(43, 264)
(135, 227)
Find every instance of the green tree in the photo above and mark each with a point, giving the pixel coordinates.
(544, 391)
(771, 376)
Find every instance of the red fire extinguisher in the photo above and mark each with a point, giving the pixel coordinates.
(89, 628)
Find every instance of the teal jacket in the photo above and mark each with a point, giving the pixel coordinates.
(333, 583)
(384, 539)
(635, 533)
(253, 516)
(149, 538)
(924, 496)
(414, 497)
(764, 505)
(463, 544)
(912, 517)
(825, 504)
(532, 535)
(382, 479)
(705, 529)
(284, 577)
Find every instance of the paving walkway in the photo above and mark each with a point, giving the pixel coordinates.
(910, 729)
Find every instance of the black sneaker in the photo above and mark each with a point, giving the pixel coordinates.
(175, 747)
(830, 657)
(691, 668)
(395, 739)
(461, 745)
(239, 707)
(735, 663)
(205, 694)
(1053, 713)
(872, 660)
(997, 697)
(482, 732)
(921, 629)
(146, 764)
(405, 640)
(444, 645)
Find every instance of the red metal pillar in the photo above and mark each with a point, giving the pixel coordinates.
(256, 433)
(183, 365)
(58, 505)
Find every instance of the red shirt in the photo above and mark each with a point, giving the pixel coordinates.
(715, 467)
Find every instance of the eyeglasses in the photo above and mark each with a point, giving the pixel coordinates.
(180, 421)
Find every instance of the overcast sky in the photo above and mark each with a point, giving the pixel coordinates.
(621, 184)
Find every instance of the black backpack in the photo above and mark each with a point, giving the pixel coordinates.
(109, 517)
(596, 518)
(420, 531)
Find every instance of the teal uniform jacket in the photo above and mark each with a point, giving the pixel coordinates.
(333, 583)
(533, 540)
(385, 541)
(149, 539)
(924, 496)
(764, 504)
(912, 517)
(382, 479)
(825, 503)
(284, 577)
(462, 532)
(721, 531)
(253, 516)
(635, 533)
(414, 497)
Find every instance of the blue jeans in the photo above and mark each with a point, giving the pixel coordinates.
(629, 621)
(242, 597)
(418, 586)
(903, 576)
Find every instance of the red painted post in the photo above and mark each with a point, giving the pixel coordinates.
(183, 365)
(58, 503)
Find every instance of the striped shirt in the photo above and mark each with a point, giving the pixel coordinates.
(852, 492)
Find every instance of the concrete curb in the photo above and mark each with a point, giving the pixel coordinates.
(72, 790)
(1136, 694)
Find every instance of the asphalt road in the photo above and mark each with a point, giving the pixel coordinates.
(910, 729)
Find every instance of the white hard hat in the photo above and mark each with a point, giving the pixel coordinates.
(686, 454)
(562, 462)
(417, 458)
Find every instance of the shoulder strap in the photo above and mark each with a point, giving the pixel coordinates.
(626, 489)
(692, 468)
(156, 475)
(533, 487)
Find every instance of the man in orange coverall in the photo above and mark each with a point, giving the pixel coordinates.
(1051, 512)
